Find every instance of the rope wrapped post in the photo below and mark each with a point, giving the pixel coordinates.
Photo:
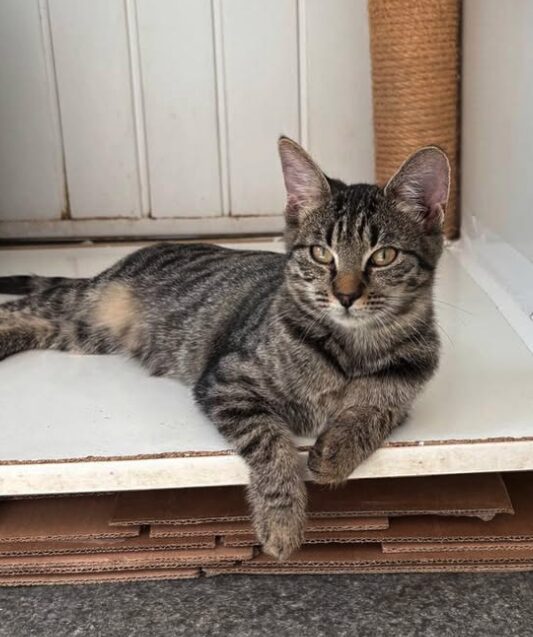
(414, 47)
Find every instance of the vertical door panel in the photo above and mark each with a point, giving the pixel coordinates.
(178, 71)
(261, 68)
(31, 179)
(339, 95)
(92, 60)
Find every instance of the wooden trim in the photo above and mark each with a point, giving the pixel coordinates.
(82, 229)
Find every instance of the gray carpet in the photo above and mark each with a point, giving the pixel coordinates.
(454, 605)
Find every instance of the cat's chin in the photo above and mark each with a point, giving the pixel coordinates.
(349, 319)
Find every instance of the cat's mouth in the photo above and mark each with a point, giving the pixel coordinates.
(349, 315)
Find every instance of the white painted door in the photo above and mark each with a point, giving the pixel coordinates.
(160, 117)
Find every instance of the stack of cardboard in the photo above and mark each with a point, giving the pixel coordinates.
(436, 523)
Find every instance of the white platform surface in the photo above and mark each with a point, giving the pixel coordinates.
(71, 423)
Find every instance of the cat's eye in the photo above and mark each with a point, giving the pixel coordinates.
(384, 256)
(321, 255)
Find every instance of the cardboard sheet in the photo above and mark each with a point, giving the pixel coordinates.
(347, 555)
(454, 547)
(122, 561)
(245, 528)
(311, 537)
(99, 578)
(60, 518)
(141, 543)
(476, 495)
(379, 569)
(191, 573)
(503, 527)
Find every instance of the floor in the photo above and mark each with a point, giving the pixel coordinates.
(147, 428)
(453, 605)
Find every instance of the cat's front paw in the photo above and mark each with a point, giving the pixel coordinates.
(281, 534)
(279, 521)
(334, 456)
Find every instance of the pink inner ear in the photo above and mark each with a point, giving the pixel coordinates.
(306, 187)
(435, 189)
(422, 183)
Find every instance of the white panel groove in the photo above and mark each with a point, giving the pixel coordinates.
(138, 106)
(55, 112)
(222, 117)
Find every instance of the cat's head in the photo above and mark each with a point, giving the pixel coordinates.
(362, 252)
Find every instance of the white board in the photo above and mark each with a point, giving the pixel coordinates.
(261, 66)
(31, 179)
(178, 74)
(93, 72)
(475, 415)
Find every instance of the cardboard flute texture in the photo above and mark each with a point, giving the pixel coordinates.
(355, 570)
(47, 579)
(454, 547)
(124, 561)
(369, 554)
(331, 536)
(476, 495)
(135, 544)
(245, 528)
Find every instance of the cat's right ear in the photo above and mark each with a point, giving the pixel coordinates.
(306, 185)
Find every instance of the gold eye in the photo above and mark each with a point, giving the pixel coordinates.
(321, 255)
(383, 257)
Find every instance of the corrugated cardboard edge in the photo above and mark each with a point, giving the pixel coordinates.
(100, 563)
(313, 525)
(130, 531)
(484, 514)
(455, 547)
(99, 578)
(48, 550)
(310, 537)
(355, 570)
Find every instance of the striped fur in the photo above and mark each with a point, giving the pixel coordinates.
(260, 336)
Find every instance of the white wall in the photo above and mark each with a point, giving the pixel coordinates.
(497, 121)
(497, 151)
(155, 109)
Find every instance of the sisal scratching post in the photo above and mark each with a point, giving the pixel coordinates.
(415, 81)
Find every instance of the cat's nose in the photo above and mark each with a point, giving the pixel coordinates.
(348, 287)
(347, 300)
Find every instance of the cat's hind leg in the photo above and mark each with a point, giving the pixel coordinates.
(21, 329)
(57, 316)
(90, 316)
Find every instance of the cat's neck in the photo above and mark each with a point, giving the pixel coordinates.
(372, 339)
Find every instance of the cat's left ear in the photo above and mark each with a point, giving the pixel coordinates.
(306, 185)
(422, 185)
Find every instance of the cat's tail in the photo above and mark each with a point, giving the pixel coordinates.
(21, 285)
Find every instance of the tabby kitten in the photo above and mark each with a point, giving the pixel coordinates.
(336, 337)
